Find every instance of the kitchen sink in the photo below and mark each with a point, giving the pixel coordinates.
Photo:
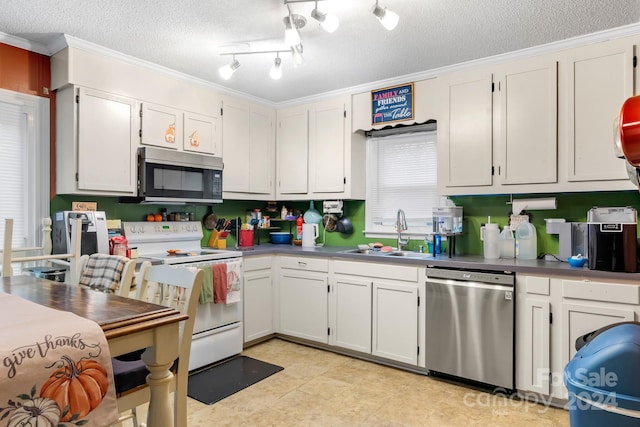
(407, 254)
(384, 254)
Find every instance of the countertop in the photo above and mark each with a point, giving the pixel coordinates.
(539, 267)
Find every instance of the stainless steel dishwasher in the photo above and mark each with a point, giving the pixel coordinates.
(470, 325)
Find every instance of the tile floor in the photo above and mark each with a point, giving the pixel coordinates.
(320, 388)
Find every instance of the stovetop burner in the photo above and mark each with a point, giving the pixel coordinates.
(183, 239)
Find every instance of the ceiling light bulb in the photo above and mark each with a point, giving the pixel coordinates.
(227, 71)
(329, 22)
(296, 53)
(276, 70)
(388, 19)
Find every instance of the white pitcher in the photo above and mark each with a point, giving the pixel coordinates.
(490, 235)
(309, 235)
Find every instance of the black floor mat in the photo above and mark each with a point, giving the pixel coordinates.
(223, 380)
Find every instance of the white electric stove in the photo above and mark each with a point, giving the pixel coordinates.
(218, 330)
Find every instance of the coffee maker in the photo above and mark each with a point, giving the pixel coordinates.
(94, 233)
(612, 239)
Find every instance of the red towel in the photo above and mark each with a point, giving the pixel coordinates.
(219, 283)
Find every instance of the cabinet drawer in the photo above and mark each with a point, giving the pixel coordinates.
(598, 291)
(303, 263)
(377, 270)
(537, 285)
(257, 263)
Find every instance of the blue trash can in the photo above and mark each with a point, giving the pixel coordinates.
(603, 378)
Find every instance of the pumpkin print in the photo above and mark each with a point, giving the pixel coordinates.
(40, 412)
(78, 388)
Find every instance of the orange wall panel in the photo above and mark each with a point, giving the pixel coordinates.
(24, 71)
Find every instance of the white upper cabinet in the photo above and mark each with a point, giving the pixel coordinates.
(528, 123)
(161, 126)
(202, 134)
(249, 142)
(599, 80)
(465, 140)
(317, 154)
(96, 142)
(326, 147)
(292, 152)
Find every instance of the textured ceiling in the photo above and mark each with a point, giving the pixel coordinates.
(189, 35)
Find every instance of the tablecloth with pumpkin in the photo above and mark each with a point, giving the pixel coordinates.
(56, 368)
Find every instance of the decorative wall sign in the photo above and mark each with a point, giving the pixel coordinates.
(392, 104)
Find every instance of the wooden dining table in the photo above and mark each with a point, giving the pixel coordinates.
(128, 325)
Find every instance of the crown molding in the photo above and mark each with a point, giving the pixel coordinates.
(64, 40)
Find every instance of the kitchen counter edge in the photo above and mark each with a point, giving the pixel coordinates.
(473, 262)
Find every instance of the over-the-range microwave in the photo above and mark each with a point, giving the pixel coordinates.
(167, 176)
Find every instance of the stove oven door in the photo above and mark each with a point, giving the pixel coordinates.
(218, 327)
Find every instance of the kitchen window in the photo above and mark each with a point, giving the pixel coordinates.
(24, 165)
(401, 174)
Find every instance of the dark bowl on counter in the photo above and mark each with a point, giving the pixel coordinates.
(281, 238)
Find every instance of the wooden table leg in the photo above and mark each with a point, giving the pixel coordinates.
(159, 359)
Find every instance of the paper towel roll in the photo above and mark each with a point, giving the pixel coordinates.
(520, 205)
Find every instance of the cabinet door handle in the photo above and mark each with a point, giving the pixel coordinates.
(302, 264)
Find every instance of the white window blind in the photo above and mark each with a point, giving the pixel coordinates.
(24, 166)
(401, 174)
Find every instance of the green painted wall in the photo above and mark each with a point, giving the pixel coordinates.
(571, 206)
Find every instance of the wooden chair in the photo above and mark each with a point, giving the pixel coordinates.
(176, 287)
(45, 250)
(107, 273)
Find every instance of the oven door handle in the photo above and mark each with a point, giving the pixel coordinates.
(469, 284)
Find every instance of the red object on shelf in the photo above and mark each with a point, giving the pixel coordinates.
(299, 223)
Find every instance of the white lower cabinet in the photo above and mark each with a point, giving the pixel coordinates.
(352, 318)
(395, 322)
(375, 310)
(258, 298)
(552, 313)
(303, 298)
(533, 337)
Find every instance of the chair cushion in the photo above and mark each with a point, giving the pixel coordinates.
(130, 374)
(103, 271)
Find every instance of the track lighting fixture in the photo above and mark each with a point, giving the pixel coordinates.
(276, 69)
(388, 19)
(275, 72)
(292, 23)
(327, 21)
(226, 71)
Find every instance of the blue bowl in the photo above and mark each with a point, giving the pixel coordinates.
(576, 262)
(281, 238)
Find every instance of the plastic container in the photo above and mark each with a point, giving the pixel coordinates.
(279, 237)
(447, 220)
(526, 241)
(507, 243)
(490, 235)
(602, 377)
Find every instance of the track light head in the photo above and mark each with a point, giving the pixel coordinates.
(226, 71)
(292, 23)
(387, 18)
(276, 69)
(329, 22)
(296, 53)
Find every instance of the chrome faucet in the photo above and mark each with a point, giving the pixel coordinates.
(401, 225)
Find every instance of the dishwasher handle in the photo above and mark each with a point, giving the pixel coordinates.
(469, 284)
